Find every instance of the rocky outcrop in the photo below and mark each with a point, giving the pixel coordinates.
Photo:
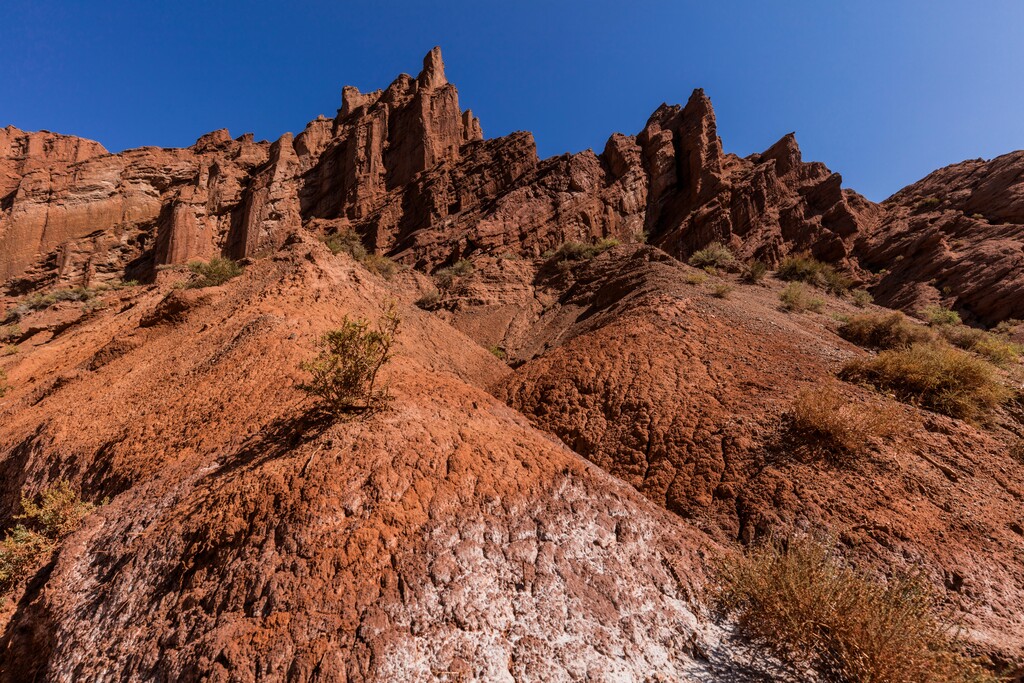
(955, 238)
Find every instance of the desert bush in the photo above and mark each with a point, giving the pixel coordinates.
(754, 271)
(347, 241)
(8, 349)
(212, 273)
(804, 605)
(797, 297)
(1016, 450)
(429, 301)
(715, 255)
(696, 278)
(446, 277)
(344, 373)
(42, 526)
(380, 265)
(883, 331)
(4, 386)
(861, 297)
(498, 352)
(934, 376)
(41, 301)
(1007, 327)
(937, 315)
(10, 333)
(581, 251)
(826, 424)
(804, 268)
(993, 347)
(722, 291)
(929, 204)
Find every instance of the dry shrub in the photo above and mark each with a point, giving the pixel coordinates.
(446, 277)
(43, 525)
(861, 297)
(696, 278)
(995, 348)
(754, 271)
(380, 265)
(715, 255)
(429, 301)
(214, 272)
(803, 605)
(933, 376)
(722, 291)
(4, 386)
(797, 297)
(940, 315)
(804, 268)
(826, 424)
(347, 241)
(345, 371)
(883, 331)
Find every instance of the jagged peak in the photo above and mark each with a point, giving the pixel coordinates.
(432, 75)
(785, 152)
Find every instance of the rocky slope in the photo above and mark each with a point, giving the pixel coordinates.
(551, 517)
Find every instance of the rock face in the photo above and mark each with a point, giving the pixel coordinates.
(955, 238)
(410, 172)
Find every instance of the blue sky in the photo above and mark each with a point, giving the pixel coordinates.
(881, 91)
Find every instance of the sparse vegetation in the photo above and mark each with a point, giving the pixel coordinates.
(43, 525)
(212, 273)
(8, 349)
(41, 301)
(934, 376)
(937, 315)
(797, 297)
(429, 301)
(347, 241)
(344, 373)
(10, 333)
(826, 424)
(722, 290)
(802, 604)
(498, 352)
(715, 255)
(990, 346)
(581, 251)
(861, 297)
(883, 331)
(929, 204)
(804, 268)
(4, 386)
(754, 271)
(696, 278)
(446, 277)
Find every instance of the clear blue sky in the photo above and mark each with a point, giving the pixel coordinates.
(882, 91)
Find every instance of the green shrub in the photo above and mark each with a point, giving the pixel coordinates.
(446, 277)
(347, 241)
(722, 291)
(344, 373)
(804, 268)
(797, 297)
(883, 331)
(933, 376)
(754, 271)
(498, 352)
(44, 524)
(40, 301)
(212, 273)
(861, 297)
(580, 251)
(804, 606)
(715, 255)
(940, 315)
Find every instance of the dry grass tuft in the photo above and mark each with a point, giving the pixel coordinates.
(798, 297)
(803, 605)
(934, 376)
(883, 331)
(826, 424)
